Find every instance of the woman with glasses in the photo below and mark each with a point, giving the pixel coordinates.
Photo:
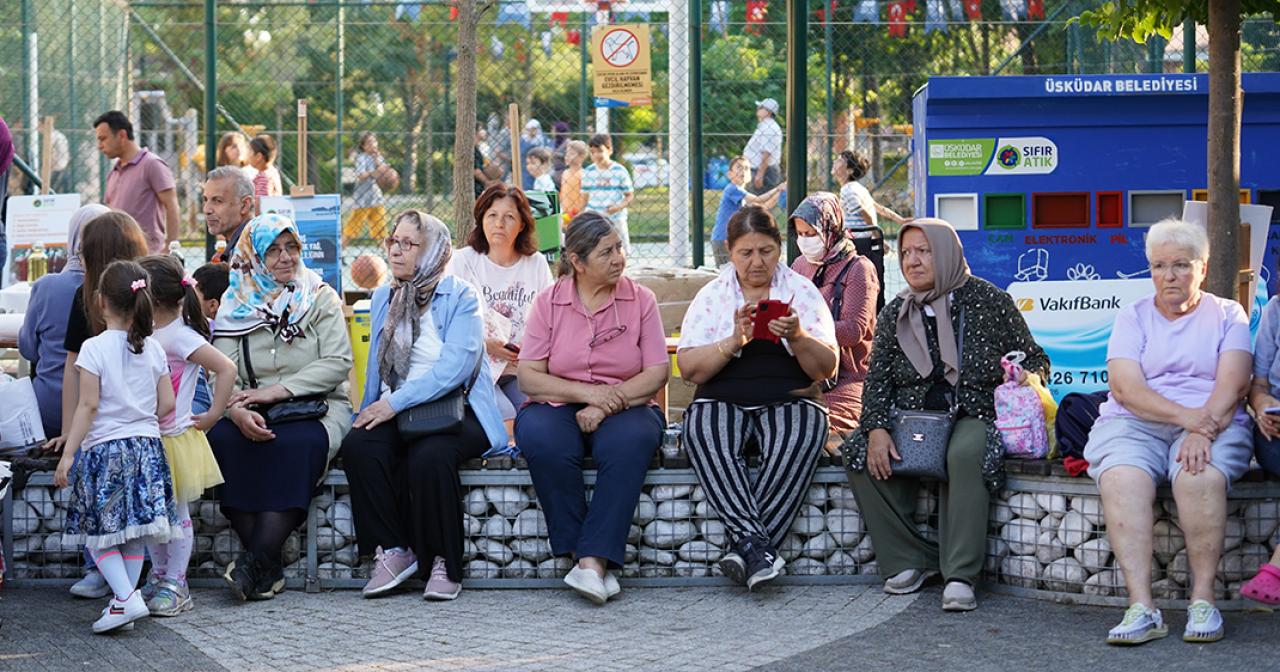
(594, 356)
(501, 260)
(937, 347)
(759, 368)
(1179, 365)
(278, 317)
(427, 342)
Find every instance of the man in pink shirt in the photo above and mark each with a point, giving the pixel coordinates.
(140, 183)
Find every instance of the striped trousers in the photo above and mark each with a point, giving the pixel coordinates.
(791, 436)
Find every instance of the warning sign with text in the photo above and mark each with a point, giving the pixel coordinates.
(620, 61)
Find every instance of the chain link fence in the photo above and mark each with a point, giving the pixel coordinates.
(385, 70)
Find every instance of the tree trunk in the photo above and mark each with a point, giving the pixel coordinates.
(464, 126)
(1225, 100)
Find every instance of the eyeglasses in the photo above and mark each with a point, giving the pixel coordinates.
(404, 244)
(1181, 268)
(273, 252)
(608, 334)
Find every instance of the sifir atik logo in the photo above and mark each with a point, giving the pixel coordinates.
(1064, 303)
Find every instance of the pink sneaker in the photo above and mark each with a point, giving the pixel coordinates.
(390, 569)
(1265, 586)
(439, 587)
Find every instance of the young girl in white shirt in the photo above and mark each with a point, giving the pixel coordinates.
(182, 330)
(121, 493)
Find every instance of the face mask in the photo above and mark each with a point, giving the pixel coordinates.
(811, 247)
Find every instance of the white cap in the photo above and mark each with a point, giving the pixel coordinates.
(768, 104)
(533, 123)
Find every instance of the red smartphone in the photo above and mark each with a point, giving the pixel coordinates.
(767, 311)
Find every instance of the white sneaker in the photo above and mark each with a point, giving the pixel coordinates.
(1140, 625)
(1204, 623)
(958, 596)
(588, 584)
(119, 613)
(907, 581)
(92, 587)
(611, 586)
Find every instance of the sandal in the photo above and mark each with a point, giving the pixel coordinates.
(1264, 587)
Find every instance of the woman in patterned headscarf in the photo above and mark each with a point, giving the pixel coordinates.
(427, 341)
(278, 316)
(848, 283)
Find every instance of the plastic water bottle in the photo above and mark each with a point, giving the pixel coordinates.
(219, 252)
(37, 263)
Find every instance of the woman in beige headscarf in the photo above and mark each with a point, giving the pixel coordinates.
(916, 364)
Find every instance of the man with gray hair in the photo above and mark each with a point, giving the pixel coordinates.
(228, 203)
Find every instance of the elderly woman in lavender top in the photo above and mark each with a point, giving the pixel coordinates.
(1179, 364)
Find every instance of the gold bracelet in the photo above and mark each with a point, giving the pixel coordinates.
(720, 349)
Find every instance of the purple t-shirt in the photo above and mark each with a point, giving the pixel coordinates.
(135, 188)
(1178, 358)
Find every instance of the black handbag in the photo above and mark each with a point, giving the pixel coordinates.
(922, 437)
(294, 409)
(438, 416)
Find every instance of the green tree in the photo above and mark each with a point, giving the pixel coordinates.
(1138, 20)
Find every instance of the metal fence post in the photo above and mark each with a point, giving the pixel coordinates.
(697, 178)
(797, 111)
(72, 119)
(210, 98)
(1189, 46)
(828, 17)
(339, 103)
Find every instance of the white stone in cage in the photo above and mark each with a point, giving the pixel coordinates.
(495, 550)
(1102, 584)
(655, 571)
(646, 510)
(28, 545)
(226, 546)
(676, 509)
(686, 568)
(471, 526)
(634, 534)
(1167, 589)
(496, 527)
(341, 519)
(61, 497)
(332, 571)
(1001, 514)
(1054, 505)
(864, 552)
(1020, 570)
(203, 543)
(666, 493)
(39, 500)
(26, 519)
(841, 563)
(669, 534)
(530, 523)
(297, 570)
(1167, 540)
(55, 522)
(817, 495)
(700, 551)
(1049, 548)
(328, 539)
(698, 494)
(1234, 534)
(790, 547)
(629, 554)
(841, 497)
(520, 569)
(809, 521)
(1075, 529)
(846, 526)
(320, 501)
(532, 548)
(1094, 554)
(1021, 535)
(653, 556)
(211, 516)
(819, 546)
(1233, 590)
(1261, 519)
(61, 571)
(292, 549)
(208, 568)
(997, 549)
(475, 503)
(869, 569)
(1024, 505)
(481, 569)
(1064, 575)
(554, 567)
(346, 555)
(1241, 563)
(469, 549)
(713, 531)
(1088, 506)
(507, 499)
(806, 567)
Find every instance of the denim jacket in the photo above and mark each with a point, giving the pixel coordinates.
(456, 312)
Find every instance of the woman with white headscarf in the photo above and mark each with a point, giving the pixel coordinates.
(427, 341)
(44, 327)
(278, 317)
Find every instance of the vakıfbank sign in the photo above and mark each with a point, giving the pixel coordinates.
(1031, 155)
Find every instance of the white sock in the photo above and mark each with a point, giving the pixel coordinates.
(178, 550)
(133, 552)
(110, 562)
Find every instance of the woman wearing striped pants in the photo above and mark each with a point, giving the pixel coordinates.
(765, 388)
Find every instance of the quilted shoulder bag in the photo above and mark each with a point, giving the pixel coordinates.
(306, 407)
(438, 416)
(921, 437)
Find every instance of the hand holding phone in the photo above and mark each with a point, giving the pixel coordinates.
(512, 347)
(1272, 410)
(766, 312)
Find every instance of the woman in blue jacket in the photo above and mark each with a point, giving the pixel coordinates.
(427, 340)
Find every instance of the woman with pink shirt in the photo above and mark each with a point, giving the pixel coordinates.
(593, 356)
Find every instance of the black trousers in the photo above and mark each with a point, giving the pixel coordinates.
(408, 494)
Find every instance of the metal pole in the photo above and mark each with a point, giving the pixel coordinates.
(584, 55)
(831, 104)
(72, 121)
(210, 99)
(339, 103)
(797, 111)
(1189, 46)
(697, 178)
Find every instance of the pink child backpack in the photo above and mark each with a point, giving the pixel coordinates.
(1020, 413)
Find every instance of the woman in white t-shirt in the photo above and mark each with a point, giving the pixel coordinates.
(502, 261)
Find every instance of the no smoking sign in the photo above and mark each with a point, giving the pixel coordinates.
(621, 66)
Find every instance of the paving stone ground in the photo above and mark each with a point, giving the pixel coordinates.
(697, 628)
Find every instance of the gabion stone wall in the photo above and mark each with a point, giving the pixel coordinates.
(1046, 535)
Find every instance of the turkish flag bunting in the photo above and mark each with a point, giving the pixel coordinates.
(757, 10)
(1035, 9)
(573, 37)
(822, 14)
(561, 18)
(897, 19)
(453, 12)
(973, 9)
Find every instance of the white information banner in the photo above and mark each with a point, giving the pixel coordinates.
(37, 219)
